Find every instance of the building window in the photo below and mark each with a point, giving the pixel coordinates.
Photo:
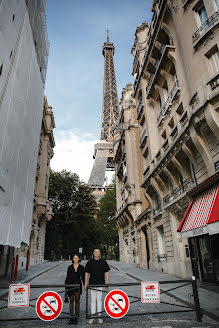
(201, 14)
(160, 103)
(37, 244)
(216, 4)
(160, 240)
(13, 17)
(214, 60)
(165, 92)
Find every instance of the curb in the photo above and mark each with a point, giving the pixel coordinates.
(206, 312)
(30, 278)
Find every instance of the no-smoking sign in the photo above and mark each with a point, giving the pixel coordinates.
(116, 304)
(49, 306)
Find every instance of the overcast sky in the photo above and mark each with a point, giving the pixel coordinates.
(74, 86)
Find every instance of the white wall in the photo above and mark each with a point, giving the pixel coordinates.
(21, 107)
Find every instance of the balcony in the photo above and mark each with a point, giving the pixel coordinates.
(214, 81)
(168, 102)
(40, 146)
(146, 171)
(124, 177)
(156, 211)
(143, 138)
(119, 167)
(161, 257)
(135, 63)
(165, 145)
(184, 119)
(136, 82)
(174, 133)
(157, 63)
(184, 187)
(38, 169)
(140, 108)
(205, 27)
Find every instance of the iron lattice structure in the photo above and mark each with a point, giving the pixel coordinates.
(110, 110)
(103, 150)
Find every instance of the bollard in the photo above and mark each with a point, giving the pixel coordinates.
(12, 270)
(16, 268)
(196, 300)
(28, 258)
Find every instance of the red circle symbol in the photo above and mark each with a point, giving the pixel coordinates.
(49, 306)
(116, 304)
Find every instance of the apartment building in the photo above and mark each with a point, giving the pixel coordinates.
(176, 71)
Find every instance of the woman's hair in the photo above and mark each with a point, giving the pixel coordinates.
(77, 256)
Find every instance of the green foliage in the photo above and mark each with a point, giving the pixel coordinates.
(105, 223)
(72, 225)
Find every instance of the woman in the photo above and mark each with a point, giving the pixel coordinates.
(75, 275)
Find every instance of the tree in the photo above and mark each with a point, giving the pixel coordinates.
(74, 207)
(106, 225)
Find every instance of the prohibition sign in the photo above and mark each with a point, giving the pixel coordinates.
(116, 304)
(49, 306)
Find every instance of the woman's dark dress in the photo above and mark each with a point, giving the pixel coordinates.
(75, 277)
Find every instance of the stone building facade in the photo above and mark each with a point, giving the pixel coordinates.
(130, 199)
(42, 207)
(176, 71)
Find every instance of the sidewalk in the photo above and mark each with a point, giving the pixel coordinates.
(25, 276)
(209, 300)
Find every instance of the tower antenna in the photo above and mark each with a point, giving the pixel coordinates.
(107, 35)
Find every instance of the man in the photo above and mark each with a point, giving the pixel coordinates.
(98, 269)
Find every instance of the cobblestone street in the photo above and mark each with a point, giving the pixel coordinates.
(57, 275)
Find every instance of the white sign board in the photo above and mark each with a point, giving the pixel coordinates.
(18, 295)
(80, 250)
(150, 292)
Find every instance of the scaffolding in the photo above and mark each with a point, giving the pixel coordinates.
(36, 10)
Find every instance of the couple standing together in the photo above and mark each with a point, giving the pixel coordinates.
(97, 270)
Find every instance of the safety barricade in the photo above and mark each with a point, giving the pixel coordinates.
(115, 309)
(49, 291)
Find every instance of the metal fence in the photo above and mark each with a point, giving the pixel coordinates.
(180, 307)
(174, 307)
(69, 316)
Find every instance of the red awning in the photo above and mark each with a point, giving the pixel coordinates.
(202, 211)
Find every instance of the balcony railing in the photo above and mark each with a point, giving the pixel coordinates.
(214, 82)
(161, 257)
(136, 58)
(124, 177)
(143, 138)
(214, 19)
(156, 210)
(156, 65)
(136, 82)
(139, 108)
(168, 102)
(119, 167)
(184, 187)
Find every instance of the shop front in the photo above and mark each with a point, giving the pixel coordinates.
(200, 225)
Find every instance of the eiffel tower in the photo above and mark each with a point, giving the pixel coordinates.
(103, 150)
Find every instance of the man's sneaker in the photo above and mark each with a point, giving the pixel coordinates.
(100, 320)
(91, 321)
